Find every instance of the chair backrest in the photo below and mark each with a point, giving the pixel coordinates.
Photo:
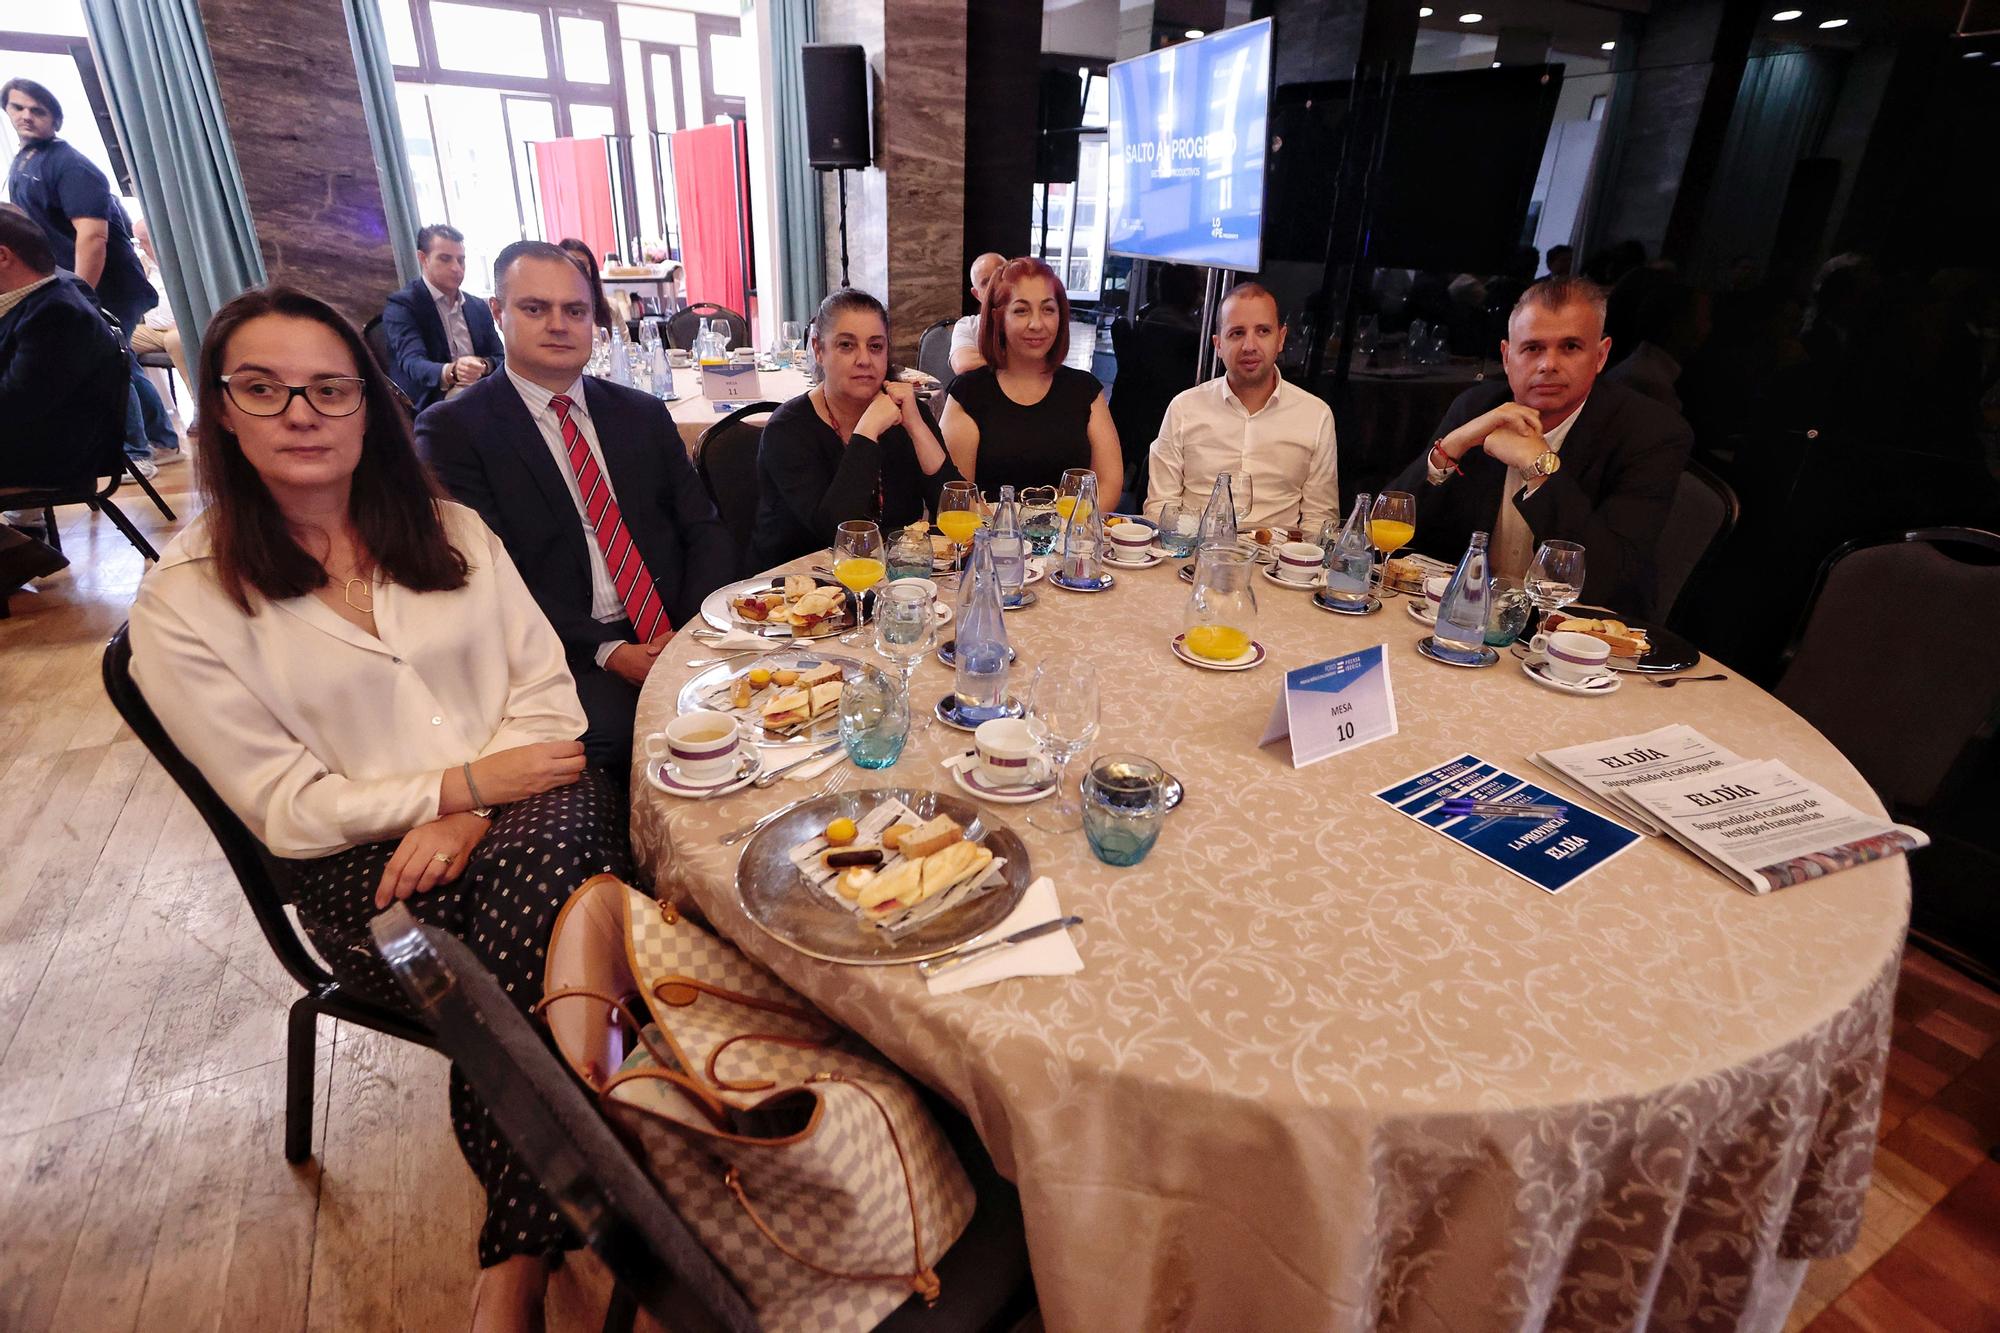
(934, 351)
(1704, 513)
(1893, 658)
(725, 459)
(557, 1131)
(685, 323)
(377, 339)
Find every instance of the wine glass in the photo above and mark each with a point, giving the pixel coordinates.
(1241, 495)
(905, 625)
(1392, 525)
(959, 513)
(1555, 578)
(1062, 715)
(858, 564)
(792, 340)
(1071, 488)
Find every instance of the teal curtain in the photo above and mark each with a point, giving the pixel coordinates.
(801, 230)
(377, 74)
(1782, 105)
(161, 86)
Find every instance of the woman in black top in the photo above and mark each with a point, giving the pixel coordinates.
(855, 447)
(1024, 417)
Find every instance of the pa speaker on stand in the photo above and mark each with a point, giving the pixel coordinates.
(840, 118)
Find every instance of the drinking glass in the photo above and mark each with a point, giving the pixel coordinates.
(1221, 617)
(904, 628)
(1506, 611)
(1039, 522)
(874, 718)
(910, 553)
(1072, 486)
(1124, 804)
(792, 340)
(959, 513)
(1062, 715)
(1179, 530)
(858, 564)
(1555, 579)
(1392, 523)
(1240, 494)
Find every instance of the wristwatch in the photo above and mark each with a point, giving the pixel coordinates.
(1546, 465)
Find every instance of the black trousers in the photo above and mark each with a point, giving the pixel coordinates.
(536, 854)
(609, 705)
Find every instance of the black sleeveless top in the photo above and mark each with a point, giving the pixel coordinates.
(1028, 446)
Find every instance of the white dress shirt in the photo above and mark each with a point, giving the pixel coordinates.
(605, 606)
(321, 736)
(457, 334)
(1286, 446)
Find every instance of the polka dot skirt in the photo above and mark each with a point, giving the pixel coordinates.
(503, 907)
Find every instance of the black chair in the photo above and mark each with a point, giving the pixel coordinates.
(1155, 362)
(685, 323)
(1893, 658)
(934, 351)
(1704, 513)
(378, 347)
(257, 874)
(725, 458)
(161, 361)
(659, 1263)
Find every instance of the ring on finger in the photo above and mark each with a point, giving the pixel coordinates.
(444, 857)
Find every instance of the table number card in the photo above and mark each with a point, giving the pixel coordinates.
(1335, 706)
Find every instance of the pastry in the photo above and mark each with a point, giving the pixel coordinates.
(932, 837)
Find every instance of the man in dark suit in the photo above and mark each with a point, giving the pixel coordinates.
(62, 385)
(440, 340)
(588, 485)
(1555, 452)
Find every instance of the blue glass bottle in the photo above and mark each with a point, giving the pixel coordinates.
(1460, 634)
(982, 650)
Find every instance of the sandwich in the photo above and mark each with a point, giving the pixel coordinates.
(1624, 640)
(758, 606)
(789, 709)
(819, 675)
(815, 608)
(914, 880)
(953, 866)
(798, 585)
(824, 696)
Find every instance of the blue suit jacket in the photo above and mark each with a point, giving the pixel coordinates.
(63, 383)
(486, 449)
(417, 347)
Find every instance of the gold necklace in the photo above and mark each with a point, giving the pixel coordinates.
(366, 606)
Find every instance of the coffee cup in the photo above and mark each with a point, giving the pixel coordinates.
(702, 746)
(1007, 752)
(1299, 562)
(1434, 587)
(1129, 541)
(678, 359)
(1571, 657)
(743, 355)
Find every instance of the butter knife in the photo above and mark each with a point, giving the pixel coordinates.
(932, 967)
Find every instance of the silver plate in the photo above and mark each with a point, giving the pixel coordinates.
(820, 730)
(789, 909)
(715, 610)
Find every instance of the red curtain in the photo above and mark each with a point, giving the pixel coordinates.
(575, 181)
(712, 184)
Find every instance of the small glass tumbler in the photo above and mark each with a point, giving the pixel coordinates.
(1178, 530)
(1123, 807)
(1506, 611)
(874, 718)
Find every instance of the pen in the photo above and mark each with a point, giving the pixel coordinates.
(1461, 805)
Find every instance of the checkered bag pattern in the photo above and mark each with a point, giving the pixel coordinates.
(827, 1180)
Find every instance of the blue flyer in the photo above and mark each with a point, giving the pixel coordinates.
(1548, 853)
(1334, 706)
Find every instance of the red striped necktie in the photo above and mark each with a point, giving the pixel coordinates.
(628, 572)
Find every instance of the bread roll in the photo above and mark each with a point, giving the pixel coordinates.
(932, 837)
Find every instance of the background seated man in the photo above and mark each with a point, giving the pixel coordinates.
(589, 487)
(1554, 452)
(439, 342)
(1249, 420)
(965, 334)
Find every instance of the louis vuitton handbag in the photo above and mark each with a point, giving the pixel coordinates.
(810, 1170)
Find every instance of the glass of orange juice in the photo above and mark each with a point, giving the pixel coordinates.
(857, 560)
(1392, 524)
(1221, 618)
(1066, 494)
(959, 512)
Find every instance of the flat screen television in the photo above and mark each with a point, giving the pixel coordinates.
(1186, 160)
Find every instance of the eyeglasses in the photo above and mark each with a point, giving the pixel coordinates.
(262, 396)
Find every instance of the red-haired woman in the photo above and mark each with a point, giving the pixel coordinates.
(1024, 417)
(354, 664)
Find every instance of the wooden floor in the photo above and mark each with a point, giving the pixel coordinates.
(142, 1183)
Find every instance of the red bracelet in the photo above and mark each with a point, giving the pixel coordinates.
(1448, 463)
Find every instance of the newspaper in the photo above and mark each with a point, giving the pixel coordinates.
(1767, 828)
(1614, 770)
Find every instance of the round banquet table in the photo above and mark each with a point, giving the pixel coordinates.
(1324, 1069)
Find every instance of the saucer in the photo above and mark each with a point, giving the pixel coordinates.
(1339, 608)
(1487, 657)
(947, 713)
(1603, 684)
(1022, 601)
(972, 781)
(660, 772)
(1420, 611)
(1253, 657)
(1103, 583)
(947, 653)
(1271, 576)
(1165, 554)
(1153, 557)
(1038, 569)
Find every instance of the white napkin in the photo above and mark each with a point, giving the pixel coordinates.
(817, 766)
(1053, 955)
(734, 640)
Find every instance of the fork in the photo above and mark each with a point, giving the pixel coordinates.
(1667, 683)
(840, 780)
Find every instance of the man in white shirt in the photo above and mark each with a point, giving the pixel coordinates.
(439, 341)
(965, 334)
(1250, 421)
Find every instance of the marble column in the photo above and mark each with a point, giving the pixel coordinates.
(905, 214)
(293, 106)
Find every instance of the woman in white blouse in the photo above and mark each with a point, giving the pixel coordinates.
(356, 666)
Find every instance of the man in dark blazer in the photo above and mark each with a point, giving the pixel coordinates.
(440, 340)
(588, 486)
(1555, 452)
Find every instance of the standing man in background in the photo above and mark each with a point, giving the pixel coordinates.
(439, 342)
